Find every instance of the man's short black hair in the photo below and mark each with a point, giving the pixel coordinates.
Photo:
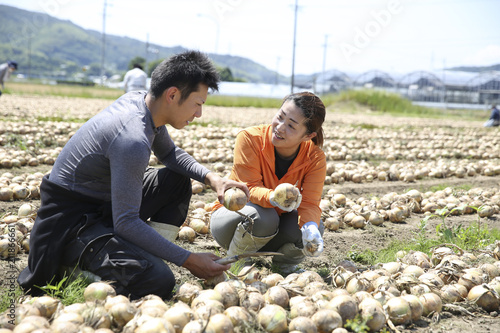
(136, 65)
(185, 71)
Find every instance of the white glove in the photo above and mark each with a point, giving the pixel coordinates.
(311, 239)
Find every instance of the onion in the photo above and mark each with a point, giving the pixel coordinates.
(376, 218)
(122, 313)
(326, 320)
(25, 210)
(345, 305)
(356, 284)
(205, 309)
(416, 307)
(154, 325)
(306, 308)
(252, 300)
(414, 270)
(219, 322)
(430, 278)
(398, 310)
(153, 307)
(235, 199)
(431, 302)
(179, 315)
(239, 315)
(303, 324)
(98, 291)
(286, 195)
(485, 297)
(332, 223)
(46, 305)
(470, 279)
(372, 312)
(358, 222)
(6, 194)
(187, 234)
(339, 199)
(277, 295)
(207, 294)
(229, 294)
(96, 316)
(199, 226)
(187, 291)
(273, 318)
(490, 269)
(272, 279)
(450, 293)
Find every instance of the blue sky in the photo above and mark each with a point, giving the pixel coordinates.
(397, 36)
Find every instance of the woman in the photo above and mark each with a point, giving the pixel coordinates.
(286, 151)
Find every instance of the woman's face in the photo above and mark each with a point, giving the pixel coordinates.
(289, 130)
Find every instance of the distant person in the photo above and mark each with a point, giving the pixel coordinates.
(5, 70)
(494, 117)
(135, 79)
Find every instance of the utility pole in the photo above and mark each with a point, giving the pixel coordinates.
(294, 38)
(147, 51)
(103, 46)
(324, 63)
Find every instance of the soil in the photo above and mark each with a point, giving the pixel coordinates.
(338, 245)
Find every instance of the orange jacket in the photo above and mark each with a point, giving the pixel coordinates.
(254, 163)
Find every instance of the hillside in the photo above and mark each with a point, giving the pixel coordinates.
(45, 46)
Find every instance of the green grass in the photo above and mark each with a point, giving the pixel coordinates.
(382, 102)
(351, 101)
(68, 290)
(476, 236)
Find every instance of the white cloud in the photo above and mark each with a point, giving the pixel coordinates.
(490, 55)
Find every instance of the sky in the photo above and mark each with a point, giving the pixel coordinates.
(395, 36)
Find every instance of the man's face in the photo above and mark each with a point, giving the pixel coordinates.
(190, 108)
(11, 69)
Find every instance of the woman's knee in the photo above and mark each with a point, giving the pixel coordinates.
(265, 220)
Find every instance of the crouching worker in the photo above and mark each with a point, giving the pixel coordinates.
(285, 151)
(105, 211)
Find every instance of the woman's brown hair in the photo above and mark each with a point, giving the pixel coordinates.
(314, 111)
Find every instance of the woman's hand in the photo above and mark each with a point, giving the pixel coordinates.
(220, 185)
(203, 266)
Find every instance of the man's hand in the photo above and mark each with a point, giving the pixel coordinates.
(203, 266)
(220, 185)
(311, 239)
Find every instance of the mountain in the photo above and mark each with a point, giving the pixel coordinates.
(45, 46)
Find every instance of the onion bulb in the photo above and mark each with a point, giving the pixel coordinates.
(98, 291)
(398, 310)
(273, 318)
(485, 297)
(235, 199)
(431, 303)
(326, 320)
(303, 324)
(286, 195)
(372, 312)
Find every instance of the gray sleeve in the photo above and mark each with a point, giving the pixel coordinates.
(176, 158)
(128, 160)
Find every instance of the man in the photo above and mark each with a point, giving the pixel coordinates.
(494, 117)
(100, 191)
(135, 79)
(5, 70)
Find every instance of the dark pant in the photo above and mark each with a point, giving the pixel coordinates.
(134, 272)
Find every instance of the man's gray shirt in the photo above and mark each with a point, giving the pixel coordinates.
(106, 159)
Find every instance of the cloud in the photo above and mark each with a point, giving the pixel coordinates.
(490, 55)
